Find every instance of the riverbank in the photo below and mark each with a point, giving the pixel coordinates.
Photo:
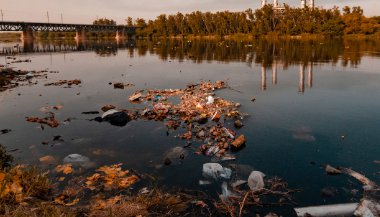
(9, 37)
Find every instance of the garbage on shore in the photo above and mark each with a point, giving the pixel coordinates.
(69, 83)
(120, 85)
(49, 120)
(11, 78)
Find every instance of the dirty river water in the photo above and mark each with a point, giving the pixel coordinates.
(315, 103)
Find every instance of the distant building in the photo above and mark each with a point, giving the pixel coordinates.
(280, 8)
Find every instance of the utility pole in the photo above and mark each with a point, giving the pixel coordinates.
(2, 15)
(61, 18)
(47, 14)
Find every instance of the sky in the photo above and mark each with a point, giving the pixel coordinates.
(85, 11)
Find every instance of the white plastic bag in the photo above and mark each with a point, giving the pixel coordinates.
(215, 171)
(256, 180)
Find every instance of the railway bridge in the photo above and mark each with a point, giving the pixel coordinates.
(27, 29)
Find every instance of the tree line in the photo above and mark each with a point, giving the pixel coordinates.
(263, 21)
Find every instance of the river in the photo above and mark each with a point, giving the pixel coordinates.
(315, 103)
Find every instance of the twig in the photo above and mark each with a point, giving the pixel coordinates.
(243, 203)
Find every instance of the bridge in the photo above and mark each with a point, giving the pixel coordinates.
(27, 29)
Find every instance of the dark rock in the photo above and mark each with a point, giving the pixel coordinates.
(118, 85)
(58, 138)
(167, 161)
(5, 131)
(118, 119)
(90, 112)
(328, 192)
(98, 119)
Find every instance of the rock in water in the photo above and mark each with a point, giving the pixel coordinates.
(256, 180)
(115, 117)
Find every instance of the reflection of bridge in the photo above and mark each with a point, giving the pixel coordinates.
(41, 47)
(301, 82)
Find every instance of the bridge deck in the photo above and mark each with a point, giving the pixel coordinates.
(61, 27)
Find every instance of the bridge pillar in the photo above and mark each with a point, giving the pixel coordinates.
(27, 33)
(301, 82)
(263, 78)
(274, 73)
(27, 39)
(310, 76)
(80, 34)
(120, 35)
(131, 36)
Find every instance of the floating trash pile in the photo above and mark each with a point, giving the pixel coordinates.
(11, 78)
(199, 112)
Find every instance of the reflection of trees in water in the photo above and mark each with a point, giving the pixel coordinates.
(263, 52)
(266, 52)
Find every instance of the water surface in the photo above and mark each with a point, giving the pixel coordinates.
(309, 94)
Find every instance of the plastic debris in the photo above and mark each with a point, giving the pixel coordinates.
(225, 192)
(216, 116)
(256, 180)
(204, 182)
(327, 210)
(109, 112)
(215, 171)
(78, 160)
(367, 208)
(62, 82)
(108, 107)
(29, 75)
(48, 159)
(210, 100)
(228, 157)
(135, 96)
(50, 120)
(238, 142)
(332, 171)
